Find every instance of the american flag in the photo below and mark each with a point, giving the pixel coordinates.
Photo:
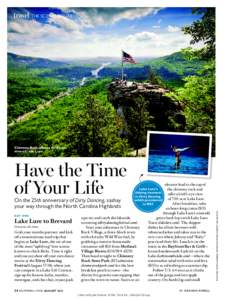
(127, 58)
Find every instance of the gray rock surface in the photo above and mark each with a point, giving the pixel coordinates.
(167, 113)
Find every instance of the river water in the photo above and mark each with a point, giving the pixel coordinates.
(94, 73)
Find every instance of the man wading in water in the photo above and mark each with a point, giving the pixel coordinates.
(177, 152)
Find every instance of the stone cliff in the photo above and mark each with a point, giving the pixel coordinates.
(166, 114)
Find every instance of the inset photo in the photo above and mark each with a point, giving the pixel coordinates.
(179, 153)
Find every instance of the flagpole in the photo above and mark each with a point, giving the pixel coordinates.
(122, 64)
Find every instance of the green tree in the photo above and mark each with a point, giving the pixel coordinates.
(198, 98)
(203, 30)
(198, 94)
(139, 121)
(94, 131)
(155, 79)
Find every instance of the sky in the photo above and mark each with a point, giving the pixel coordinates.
(94, 32)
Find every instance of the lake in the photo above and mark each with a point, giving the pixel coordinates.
(191, 165)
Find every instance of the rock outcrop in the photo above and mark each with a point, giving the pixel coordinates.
(167, 114)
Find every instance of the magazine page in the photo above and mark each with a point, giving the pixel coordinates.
(113, 173)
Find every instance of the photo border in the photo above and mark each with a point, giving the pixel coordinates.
(174, 174)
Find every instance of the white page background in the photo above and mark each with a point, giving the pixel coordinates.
(217, 186)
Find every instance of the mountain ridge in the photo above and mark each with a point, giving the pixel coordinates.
(170, 68)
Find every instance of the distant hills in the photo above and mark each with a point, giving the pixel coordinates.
(15, 60)
(170, 68)
(176, 66)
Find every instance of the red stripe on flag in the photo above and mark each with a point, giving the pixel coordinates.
(127, 58)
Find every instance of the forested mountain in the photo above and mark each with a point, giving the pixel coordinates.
(176, 65)
(15, 60)
(27, 90)
(169, 68)
(83, 123)
(34, 81)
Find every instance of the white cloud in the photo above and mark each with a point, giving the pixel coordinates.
(144, 36)
(156, 26)
(63, 22)
(171, 28)
(139, 44)
(131, 14)
(154, 44)
(29, 32)
(25, 27)
(91, 17)
(63, 36)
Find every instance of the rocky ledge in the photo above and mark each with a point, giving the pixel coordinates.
(167, 113)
